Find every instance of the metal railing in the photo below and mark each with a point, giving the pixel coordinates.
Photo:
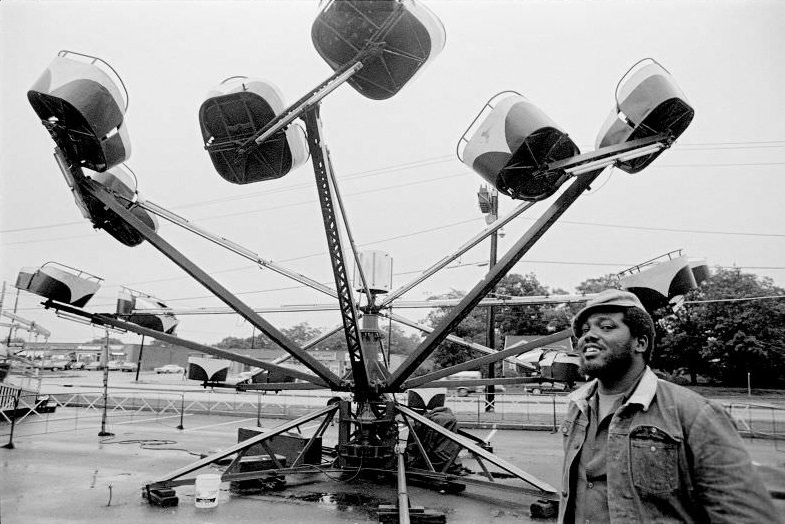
(31, 414)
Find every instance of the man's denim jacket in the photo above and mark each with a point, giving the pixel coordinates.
(673, 456)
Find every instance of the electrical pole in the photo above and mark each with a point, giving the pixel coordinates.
(13, 327)
(103, 432)
(139, 359)
(489, 204)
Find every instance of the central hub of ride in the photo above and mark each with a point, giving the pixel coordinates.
(367, 435)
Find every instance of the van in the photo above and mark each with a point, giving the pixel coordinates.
(466, 375)
(470, 375)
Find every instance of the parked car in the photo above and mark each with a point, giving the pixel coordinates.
(94, 366)
(55, 364)
(78, 364)
(127, 366)
(45, 404)
(170, 368)
(547, 388)
(114, 365)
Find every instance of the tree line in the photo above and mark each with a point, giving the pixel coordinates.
(732, 325)
(728, 329)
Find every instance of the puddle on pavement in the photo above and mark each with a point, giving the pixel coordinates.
(342, 501)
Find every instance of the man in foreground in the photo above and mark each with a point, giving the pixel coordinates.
(640, 449)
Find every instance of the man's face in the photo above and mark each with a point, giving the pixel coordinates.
(605, 345)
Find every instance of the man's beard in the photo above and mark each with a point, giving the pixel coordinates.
(611, 365)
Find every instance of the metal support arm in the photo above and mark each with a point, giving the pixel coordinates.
(98, 192)
(516, 252)
(487, 359)
(321, 170)
(169, 480)
(306, 103)
(108, 320)
(479, 237)
(453, 338)
(236, 248)
(546, 490)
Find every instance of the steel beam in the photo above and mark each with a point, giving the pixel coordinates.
(108, 320)
(495, 274)
(321, 170)
(488, 359)
(546, 489)
(232, 246)
(453, 338)
(98, 192)
(479, 237)
(328, 411)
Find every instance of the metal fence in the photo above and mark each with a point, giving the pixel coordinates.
(526, 410)
(30, 414)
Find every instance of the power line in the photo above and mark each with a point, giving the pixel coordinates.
(240, 213)
(442, 159)
(673, 230)
(708, 301)
(572, 222)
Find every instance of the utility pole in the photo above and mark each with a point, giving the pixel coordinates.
(489, 205)
(103, 432)
(16, 305)
(139, 359)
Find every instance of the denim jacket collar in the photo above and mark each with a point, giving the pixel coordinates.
(642, 395)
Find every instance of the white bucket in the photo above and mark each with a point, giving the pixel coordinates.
(206, 490)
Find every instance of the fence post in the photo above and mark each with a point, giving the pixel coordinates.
(103, 432)
(258, 409)
(553, 399)
(182, 409)
(10, 444)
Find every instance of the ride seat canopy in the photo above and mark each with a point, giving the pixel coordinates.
(208, 369)
(700, 270)
(511, 143)
(234, 112)
(85, 109)
(649, 102)
(410, 34)
(129, 303)
(119, 182)
(656, 284)
(59, 284)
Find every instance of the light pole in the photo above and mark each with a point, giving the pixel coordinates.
(103, 432)
(139, 359)
(489, 205)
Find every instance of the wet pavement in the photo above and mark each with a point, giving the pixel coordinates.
(70, 474)
(73, 475)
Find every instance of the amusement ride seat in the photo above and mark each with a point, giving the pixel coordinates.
(649, 102)
(511, 143)
(82, 106)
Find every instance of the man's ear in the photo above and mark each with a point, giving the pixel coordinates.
(641, 344)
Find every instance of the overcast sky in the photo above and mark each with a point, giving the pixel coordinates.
(716, 194)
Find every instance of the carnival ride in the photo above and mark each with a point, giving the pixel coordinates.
(250, 135)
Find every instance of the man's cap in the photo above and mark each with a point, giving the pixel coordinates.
(608, 299)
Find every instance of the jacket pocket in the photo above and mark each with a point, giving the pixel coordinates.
(654, 457)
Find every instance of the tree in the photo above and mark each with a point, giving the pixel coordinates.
(725, 338)
(510, 320)
(471, 328)
(398, 342)
(597, 284)
(302, 332)
(590, 286)
(529, 320)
